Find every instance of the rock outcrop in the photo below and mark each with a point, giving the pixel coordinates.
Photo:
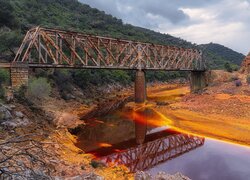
(245, 67)
(10, 119)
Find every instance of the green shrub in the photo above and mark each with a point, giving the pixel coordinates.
(2, 92)
(121, 77)
(228, 67)
(235, 67)
(63, 78)
(38, 89)
(4, 78)
(248, 79)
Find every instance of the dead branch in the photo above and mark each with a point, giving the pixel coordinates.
(24, 157)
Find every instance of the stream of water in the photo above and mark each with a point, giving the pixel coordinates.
(112, 140)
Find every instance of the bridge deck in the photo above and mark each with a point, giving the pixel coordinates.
(9, 65)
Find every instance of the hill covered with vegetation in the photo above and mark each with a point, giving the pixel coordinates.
(17, 16)
(218, 55)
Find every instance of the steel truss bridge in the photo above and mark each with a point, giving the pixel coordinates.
(54, 48)
(152, 153)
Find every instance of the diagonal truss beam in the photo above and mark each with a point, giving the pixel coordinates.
(43, 47)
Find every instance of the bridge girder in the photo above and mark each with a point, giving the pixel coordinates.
(53, 48)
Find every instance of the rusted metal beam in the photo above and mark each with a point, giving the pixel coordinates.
(70, 49)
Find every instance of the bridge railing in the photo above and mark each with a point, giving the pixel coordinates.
(42, 47)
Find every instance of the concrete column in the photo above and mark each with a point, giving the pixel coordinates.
(140, 87)
(197, 81)
(19, 75)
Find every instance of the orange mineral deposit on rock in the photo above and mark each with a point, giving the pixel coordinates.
(245, 67)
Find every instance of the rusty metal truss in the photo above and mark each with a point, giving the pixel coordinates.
(150, 154)
(43, 47)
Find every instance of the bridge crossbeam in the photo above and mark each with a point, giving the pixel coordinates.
(43, 47)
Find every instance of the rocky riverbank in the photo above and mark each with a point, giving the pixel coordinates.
(40, 134)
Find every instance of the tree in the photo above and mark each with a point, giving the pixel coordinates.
(6, 14)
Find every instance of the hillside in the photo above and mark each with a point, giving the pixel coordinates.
(16, 17)
(218, 55)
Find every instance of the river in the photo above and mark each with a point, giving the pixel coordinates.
(112, 140)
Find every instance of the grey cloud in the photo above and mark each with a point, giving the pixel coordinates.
(164, 11)
(168, 16)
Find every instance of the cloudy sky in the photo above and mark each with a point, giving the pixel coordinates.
(200, 21)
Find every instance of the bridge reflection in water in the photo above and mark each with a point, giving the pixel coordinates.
(158, 148)
(138, 139)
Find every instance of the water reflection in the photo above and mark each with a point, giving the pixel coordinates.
(131, 140)
(121, 126)
(158, 148)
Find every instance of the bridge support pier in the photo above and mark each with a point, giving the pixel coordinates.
(140, 87)
(140, 98)
(197, 81)
(19, 74)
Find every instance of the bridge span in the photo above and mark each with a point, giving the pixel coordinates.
(54, 48)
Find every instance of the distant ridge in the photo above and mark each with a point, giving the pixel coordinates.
(217, 55)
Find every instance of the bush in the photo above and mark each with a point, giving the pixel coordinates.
(248, 79)
(4, 78)
(63, 78)
(2, 92)
(228, 67)
(38, 89)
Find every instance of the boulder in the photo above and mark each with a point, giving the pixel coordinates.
(238, 83)
(17, 122)
(19, 114)
(4, 113)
